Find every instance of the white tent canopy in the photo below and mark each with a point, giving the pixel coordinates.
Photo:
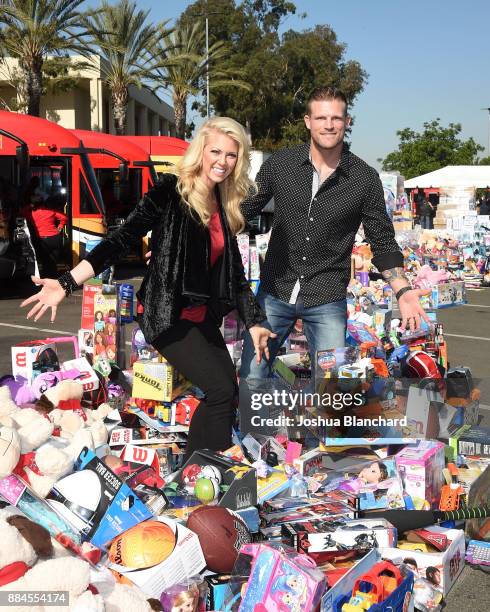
(452, 176)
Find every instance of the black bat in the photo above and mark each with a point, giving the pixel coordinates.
(405, 520)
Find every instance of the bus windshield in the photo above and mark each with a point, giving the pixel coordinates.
(93, 191)
(119, 198)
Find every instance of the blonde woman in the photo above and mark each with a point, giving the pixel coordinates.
(195, 275)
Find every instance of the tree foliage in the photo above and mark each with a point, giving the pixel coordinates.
(34, 29)
(183, 67)
(125, 40)
(281, 70)
(436, 147)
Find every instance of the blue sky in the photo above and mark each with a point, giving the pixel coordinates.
(425, 59)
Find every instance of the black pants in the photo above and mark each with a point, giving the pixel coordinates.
(199, 352)
(50, 249)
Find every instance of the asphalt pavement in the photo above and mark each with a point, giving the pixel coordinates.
(466, 328)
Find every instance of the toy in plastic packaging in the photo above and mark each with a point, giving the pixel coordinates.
(279, 580)
(189, 596)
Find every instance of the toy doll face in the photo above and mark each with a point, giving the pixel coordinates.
(99, 339)
(371, 474)
(98, 316)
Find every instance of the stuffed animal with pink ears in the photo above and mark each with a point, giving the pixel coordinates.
(427, 277)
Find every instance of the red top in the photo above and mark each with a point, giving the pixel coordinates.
(197, 314)
(48, 222)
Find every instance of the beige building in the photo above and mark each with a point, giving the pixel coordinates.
(88, 105)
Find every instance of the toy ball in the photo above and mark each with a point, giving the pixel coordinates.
(206, 489)
(211, 471)
(221, 534)
(190, 474)
(144, 545)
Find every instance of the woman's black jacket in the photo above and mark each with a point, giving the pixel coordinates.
(179, 273)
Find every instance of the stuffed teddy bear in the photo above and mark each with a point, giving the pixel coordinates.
(62, 404)
(28, 451)
(27, 564)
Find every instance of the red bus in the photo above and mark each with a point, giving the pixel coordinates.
(34, 147)
(124, 170)
(165, 150)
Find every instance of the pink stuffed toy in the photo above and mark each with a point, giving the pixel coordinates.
(427, 277)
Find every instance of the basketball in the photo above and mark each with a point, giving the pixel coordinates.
(143, 546)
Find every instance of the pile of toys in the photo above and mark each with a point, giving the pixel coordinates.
(342, 505)
(463, 254)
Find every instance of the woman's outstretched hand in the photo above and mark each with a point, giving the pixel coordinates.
(51, 294)
(260, 337)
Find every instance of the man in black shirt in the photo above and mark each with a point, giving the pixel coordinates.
(322, 193)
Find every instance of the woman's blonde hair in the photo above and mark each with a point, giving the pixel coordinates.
(232, 190)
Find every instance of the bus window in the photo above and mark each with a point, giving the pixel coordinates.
(96, 206)
(87, 202)
(119, 198)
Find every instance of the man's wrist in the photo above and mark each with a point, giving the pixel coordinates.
(402, 292)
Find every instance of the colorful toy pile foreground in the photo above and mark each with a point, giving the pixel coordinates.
(370, 491)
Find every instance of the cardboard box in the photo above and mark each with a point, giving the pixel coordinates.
(157, 381)
(240, 478)
(420, 468)
(88, 377)
(448, 294)
(109, 506)
(323, 536)
(345, 584)
(28, 356)
(185, 560)
(258, 447)
(471, 440)
(450, 563)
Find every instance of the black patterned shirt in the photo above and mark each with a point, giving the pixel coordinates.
(312, 238)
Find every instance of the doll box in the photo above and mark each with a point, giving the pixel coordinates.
(280, 581)
(420, 468)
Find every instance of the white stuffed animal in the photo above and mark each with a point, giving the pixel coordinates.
(25, 545)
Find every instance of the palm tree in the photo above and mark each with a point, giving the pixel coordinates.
(181, 65)
(34, 29)
(124, 40)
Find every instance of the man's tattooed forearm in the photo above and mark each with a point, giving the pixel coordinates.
(393, 273)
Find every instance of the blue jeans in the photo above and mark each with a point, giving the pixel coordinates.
(324, 327)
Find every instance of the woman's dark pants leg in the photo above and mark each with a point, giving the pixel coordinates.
(199, 352)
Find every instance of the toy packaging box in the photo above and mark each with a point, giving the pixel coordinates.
(377, 485)
(105, 324)
(448, 294)
(258, 446)
(280, 580)
(143, 435)
(441, 568)
(309, 512)
(238, 477)
(96, 501)
(420, 468)
(473, 441)
(32, 358)
(339, 535)
(140, 349)
(157, 381)
(173, 551)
